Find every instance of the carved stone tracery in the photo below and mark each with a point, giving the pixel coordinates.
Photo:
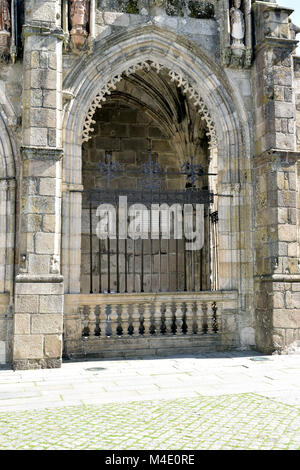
(175, 77)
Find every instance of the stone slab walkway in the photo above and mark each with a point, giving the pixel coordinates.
(220, 401)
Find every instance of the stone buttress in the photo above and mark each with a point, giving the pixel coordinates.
(38, 319)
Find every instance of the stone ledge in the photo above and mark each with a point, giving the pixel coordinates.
(42, 30)
(288, 157)
(41, 153)
(42, 278)
(276, 42)
(278, 278)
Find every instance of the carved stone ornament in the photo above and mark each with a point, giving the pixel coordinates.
(174, 76)
(237, 28)
(79, 16)
(54, 265)
(5, 28)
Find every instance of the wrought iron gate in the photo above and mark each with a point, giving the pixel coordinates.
(122, 265)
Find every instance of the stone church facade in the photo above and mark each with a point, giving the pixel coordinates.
(99, 97)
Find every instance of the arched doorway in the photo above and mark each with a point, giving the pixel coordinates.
(199, 81)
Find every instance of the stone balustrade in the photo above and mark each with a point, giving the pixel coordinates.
(111, 325)
(141, 318)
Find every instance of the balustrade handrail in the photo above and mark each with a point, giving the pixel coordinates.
(145, 297)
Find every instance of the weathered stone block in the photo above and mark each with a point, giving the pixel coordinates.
(39, 288)
(43, 117)
(49, 223)
(49, 187)
(28, 347)
(26, 303)
(40, 205)
(38, 264)
(278, 300)
(41, 78)
(22, 324)
(284, 110)
(44, 243)
(287, 233)
(46, 324)
(51, 304)
(286, 318)
(53, 346)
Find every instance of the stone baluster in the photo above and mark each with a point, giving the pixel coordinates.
(169, 318)
(82, 323)
(179, 319)
(130, 319)
(204, 318)
(157, 318)
(103, 321)
(97, 314)
(147, 319)
(189, 318)
(92, 321)
(114, 319)
(199, 318)
(216, 318)
(125, 323)
(136, 320)
(84, 313)
(210, 319)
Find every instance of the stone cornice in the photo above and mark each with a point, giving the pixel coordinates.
(41, 30)
(271, 6)
(278, 278)
(48, 278)
(287, 157)
(41, 153)
(273, 42)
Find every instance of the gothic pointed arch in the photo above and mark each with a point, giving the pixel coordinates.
(226, 120)
(94, 76)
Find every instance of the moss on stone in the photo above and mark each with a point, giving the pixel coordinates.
(202, 10)
(174, 8)
(129, 6)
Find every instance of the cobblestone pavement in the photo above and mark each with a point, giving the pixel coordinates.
(243, 421)
(225, 401)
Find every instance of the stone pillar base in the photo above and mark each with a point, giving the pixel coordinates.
(38, 322)
(277, 314)
(26, 364)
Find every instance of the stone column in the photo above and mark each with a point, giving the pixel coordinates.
(277, 273)
(38, 319)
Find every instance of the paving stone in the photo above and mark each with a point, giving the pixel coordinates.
(90, 405)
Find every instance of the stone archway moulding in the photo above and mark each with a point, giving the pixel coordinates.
(175, 76)
(93, 77)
